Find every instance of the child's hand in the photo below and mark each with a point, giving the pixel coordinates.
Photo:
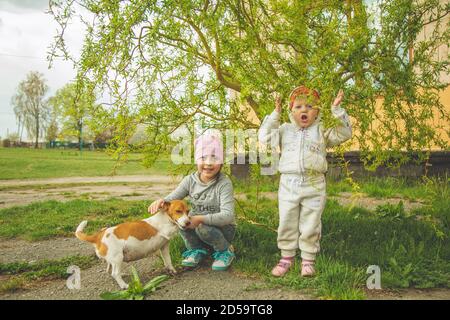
(278, 103)
(195, 221)
(155, 206)
(338, 99)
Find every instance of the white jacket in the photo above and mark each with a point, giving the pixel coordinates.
(303, 151)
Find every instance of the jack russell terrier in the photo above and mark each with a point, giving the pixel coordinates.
(132, 241)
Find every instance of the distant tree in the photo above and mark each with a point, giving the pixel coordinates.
(103, 137)
(13, 137)
(52, 131)
(11, 140)
(19, 110)
(29, 105)
(73, 108)
(53, 128)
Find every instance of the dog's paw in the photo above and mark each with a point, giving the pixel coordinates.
(124, 286)
(172, 271)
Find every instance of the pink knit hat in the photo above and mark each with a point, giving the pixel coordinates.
(208, 145)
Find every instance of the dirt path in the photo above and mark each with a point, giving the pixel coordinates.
(349, 199)
(199, 284)
(140, 188)
(364, 201)
(9, 198)
(136, 178)
(130, 191)
(125, 187)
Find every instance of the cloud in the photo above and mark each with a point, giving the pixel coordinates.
(26, 34)
(23, 5)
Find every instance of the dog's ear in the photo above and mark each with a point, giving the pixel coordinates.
(165, 206)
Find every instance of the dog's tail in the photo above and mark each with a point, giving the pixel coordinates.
(84, 237)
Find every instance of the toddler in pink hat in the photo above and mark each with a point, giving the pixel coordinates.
(211, 196)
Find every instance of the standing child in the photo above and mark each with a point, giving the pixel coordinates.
(302, 190)
(212, 216)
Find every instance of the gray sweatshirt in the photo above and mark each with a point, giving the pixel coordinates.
(214, 199)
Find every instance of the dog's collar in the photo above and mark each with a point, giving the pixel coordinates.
(171, 220)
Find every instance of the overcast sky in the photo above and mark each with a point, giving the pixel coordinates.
(26, 33)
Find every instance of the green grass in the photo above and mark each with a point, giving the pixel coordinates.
(22, 273)
(21, 163)
(50, 186)
(392, 187)
(43, 220)
(132, 194)
(264, 184)
(411, 248)
(420, 189)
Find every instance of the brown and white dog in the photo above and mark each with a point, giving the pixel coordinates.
(135, 240)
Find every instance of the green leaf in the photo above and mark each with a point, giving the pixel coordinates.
(135, 284)
(154, 283)
(115, 295)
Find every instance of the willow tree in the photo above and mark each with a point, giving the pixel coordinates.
(165, 63)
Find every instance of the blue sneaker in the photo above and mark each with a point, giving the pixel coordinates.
(223, 259)
(193, 257)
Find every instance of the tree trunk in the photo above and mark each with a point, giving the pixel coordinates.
(80, 133)
(18, 130)
(37, 132)
(21, 132)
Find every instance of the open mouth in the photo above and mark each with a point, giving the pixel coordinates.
(304, 117)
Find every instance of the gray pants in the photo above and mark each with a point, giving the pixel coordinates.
(219, 238)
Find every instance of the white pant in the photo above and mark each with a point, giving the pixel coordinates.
(301, 201)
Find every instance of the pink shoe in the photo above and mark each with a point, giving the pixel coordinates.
(282, 267)
(308, 268)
